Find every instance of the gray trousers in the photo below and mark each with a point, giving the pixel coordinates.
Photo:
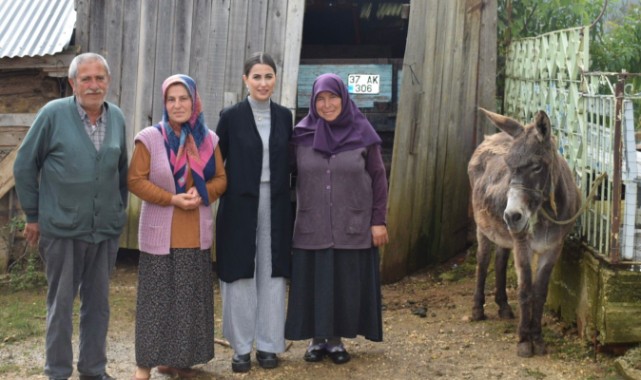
(254, 308)
(74, 266)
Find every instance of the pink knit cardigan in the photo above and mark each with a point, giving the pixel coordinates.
(154, 231)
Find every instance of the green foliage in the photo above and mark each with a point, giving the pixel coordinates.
(25, 272)
(615, 36)
(618, 47)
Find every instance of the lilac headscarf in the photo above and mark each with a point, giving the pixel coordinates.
(350, 130)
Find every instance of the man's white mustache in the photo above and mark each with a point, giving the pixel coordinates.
(93, 92)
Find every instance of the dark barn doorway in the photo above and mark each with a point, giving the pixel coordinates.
(361, 41)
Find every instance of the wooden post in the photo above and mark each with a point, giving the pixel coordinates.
(615, 227)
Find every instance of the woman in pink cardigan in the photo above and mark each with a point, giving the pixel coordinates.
(177, 170)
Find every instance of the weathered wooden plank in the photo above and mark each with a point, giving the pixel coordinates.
(131, 25)
(181, 43)
(54, 62)
(16, 119)
(276, 38)
(162, 64)
(114, 10)
(424, 232)
(230, 98)
(97, 37)
(217, 56)
(257, 26)
(129, 237)
(83, 28)
(291, 55)
(394, 256)
(486, 86)
(128, 84)
(452, 180)
(146, 64)
(236, 46)
(6, 172)
(12, 136)
(198, 63)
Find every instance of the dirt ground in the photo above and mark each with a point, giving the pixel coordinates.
(427, 335)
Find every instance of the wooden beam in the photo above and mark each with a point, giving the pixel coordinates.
(50, 63)
(6, 172)
(16, 119)
(10, 137)
(291, 55)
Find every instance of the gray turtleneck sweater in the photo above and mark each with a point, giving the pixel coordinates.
(262, 117)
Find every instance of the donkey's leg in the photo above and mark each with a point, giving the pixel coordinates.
(540, 292)
(482, 262)
(524, 273)
(500, 272)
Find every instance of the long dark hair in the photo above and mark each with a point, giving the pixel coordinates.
(256, 58)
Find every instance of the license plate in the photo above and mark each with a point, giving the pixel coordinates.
(363, 83)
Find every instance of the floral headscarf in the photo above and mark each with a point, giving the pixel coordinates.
(194, 149)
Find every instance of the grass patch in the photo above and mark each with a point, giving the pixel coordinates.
(467, 268)
(534, 373)
(22, 315)
(8, 368)
(461, 270)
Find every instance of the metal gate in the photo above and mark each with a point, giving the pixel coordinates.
(592, 114)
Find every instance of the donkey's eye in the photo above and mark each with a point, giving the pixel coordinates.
(537, 168)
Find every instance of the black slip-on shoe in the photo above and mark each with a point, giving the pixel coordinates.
(339, 357)
(267, 360)
(241, 363)
(314, 354)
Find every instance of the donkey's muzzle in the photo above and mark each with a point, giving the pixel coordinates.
(515, 220)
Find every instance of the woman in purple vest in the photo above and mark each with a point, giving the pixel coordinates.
(341, 194)
(177, 170)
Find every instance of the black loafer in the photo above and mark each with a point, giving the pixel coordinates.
(315, 355)
(267, 360)
(241, 363)
(339, 357)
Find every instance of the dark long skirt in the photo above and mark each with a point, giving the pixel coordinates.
(334, 293)
(175, 309)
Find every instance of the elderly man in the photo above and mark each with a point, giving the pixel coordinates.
(71, 179)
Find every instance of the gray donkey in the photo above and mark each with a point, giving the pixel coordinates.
(516, 176)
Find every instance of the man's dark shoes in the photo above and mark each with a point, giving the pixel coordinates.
(241, 363)
(315, 353)
(339, 356)
(104, 376)
(267, 360)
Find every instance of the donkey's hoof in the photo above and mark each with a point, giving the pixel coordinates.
(478, 314)
(524, 349)
(505, 312)
(539, 347)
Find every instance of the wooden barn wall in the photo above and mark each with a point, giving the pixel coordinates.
(449, 70)
(145, 41)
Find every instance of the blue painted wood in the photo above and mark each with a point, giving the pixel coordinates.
(308, 73)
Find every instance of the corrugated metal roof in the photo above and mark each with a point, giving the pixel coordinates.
(35, 27)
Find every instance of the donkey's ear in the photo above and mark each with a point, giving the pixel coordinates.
(542, 124)
(504, 123)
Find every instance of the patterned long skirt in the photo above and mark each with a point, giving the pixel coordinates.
(335, 293)
(175, 309)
